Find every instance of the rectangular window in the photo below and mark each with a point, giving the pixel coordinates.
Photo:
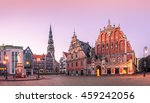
(13, 62)
(76, 55)
(103, 46)
(106, 46)
(13, 68)
(81, 63)
(116, 44)
(108, 70)
(116, 70)
(13, 56)
(112, 45)
(76, 64)
(16, 56)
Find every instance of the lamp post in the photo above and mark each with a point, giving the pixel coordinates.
(5, 62)
(38, 61)
(145, 51)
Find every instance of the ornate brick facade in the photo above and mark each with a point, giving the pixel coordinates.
(114, 52)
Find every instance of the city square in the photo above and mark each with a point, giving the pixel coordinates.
(64, 80)
(69, 50)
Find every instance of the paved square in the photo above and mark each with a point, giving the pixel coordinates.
(63, 80)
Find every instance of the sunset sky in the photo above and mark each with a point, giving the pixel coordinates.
(27, 22)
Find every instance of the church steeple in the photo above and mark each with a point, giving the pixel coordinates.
(109, 26)
(50, 32)
(50, 48)
(74, 34)
(109, 22)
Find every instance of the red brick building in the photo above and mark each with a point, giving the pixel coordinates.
(114, 52)
(38, 62)
(77, 57)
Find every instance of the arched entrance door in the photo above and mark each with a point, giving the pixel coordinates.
(98, 70)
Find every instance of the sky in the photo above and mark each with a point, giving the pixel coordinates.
(27, 22)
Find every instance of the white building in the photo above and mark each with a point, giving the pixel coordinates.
(11, 52)
(63, 63)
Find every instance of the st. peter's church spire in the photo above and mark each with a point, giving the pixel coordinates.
(50, 48)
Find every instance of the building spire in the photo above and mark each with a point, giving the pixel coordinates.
(50, 47)
(50, 32)
(109, 22)
(74, 32)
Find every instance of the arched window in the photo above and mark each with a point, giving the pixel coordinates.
(103, 46)
(71, 56)
(121, 45)
(76, 55)
(76, 64)
(117, 44)
(81, 63)
(112, 45)
(107, 46)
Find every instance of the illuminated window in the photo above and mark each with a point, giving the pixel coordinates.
(121, 46)
(107, 46)
(116, 44)
(111, 45)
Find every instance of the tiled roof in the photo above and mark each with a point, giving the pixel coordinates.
(65, 53)
(38, 56)
(27, 49)
(86, 47)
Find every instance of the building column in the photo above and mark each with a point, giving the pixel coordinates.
(130, 69)
(121, 70)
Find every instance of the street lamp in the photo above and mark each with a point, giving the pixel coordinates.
(145, 50)
(5, 62)
(27, 63)
(38, 61)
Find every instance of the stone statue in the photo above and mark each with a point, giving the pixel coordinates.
(19, 58)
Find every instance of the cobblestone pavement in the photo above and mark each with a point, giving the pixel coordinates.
(63, 80)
